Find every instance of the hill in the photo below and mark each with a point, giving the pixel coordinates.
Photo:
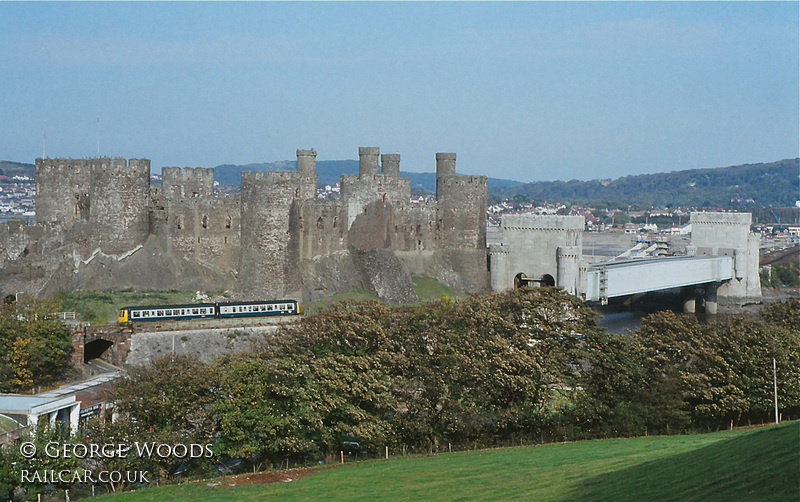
(751, 185)
(11, 169)
(756, 464)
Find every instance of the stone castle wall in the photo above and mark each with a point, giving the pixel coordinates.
(198, 222)
(100, 225)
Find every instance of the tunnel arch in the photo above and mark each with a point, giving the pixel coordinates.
(96, 349)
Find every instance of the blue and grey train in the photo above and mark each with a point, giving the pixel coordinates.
(221, 310)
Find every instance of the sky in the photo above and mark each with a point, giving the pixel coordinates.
(527, 91)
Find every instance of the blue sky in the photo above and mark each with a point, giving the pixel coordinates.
(525, 91)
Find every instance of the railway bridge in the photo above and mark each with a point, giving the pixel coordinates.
(719, 266)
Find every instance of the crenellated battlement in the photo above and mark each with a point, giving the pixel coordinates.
(181, 183)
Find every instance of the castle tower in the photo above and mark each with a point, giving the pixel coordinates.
(271, 223)
(368, 160)
(307, 170)
(461, 206)
(728, 234)
(390, 165)
(120, 194)
(62, 191)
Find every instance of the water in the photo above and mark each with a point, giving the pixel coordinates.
(619, 320)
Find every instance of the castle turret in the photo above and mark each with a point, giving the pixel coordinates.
(368, 160)
(567, 267)
(307, 169)
(445, 168)
(390, 165)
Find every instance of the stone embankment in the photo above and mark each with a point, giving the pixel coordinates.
(207, 344)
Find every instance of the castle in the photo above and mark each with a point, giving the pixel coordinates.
(101, 225)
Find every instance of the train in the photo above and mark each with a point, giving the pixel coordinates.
(220, 310)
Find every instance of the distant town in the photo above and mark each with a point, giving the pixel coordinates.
(17, 198)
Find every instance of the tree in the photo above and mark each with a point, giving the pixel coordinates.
(264, 408)
(170, 402)
(13, 463)
(172, 394)
(613, 381)
(35, 349)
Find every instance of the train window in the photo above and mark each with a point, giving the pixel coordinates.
(194, 311)
(135, 314)
(160, 313)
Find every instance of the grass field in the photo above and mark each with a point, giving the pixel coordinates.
(757, 464)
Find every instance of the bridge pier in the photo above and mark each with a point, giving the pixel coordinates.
(711, 299)
(689, 300)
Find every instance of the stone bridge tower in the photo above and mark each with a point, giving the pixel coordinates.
(538, 249)
(728, 234)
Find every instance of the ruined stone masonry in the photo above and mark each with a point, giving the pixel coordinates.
(101, 225)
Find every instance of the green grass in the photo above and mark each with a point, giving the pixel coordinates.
(757, 464)
(429, 289)
(99, 307)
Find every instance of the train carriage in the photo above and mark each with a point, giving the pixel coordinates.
(167, 312)
(262, 308)
(208, 310)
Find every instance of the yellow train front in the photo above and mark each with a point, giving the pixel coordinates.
(207, 310)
